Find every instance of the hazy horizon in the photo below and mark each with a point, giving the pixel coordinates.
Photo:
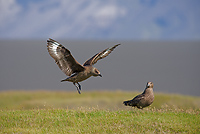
(173, 66)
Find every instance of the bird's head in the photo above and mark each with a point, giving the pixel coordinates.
(149, 85)
(96, 72)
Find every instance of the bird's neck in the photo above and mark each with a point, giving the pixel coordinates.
(148, 91)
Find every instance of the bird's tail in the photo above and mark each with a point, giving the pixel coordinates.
(127, 103)
(65, 79)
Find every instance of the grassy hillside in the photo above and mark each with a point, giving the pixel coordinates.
(23, 100)
(95, 112)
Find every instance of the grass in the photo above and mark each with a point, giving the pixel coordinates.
(95, 112)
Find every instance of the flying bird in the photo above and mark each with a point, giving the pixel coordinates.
(143, 100)
(66, 62)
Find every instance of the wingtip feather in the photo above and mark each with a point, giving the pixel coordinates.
(115, 46)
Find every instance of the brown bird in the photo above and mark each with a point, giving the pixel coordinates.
(66, 62)
(143, 100)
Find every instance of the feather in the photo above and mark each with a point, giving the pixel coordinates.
(99, 56)
(63, 58)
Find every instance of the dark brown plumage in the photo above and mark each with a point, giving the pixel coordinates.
(71, 67)
(142, 100)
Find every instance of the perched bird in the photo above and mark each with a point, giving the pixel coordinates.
(143, 100)
(66, 62)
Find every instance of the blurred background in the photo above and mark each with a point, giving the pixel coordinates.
(160, 43)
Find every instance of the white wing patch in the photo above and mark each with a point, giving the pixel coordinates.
(56, 43)
(105, 53)
(54, 49)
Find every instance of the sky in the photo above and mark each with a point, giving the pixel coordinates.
(100, 19)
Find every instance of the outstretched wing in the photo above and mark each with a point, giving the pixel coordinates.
(63, 58)
(100, 55)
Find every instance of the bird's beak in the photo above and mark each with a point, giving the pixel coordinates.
(100, 75)
(148, 84)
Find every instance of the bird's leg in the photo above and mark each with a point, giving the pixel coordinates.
(77, 87)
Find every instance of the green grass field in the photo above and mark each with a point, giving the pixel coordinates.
(96, 112)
